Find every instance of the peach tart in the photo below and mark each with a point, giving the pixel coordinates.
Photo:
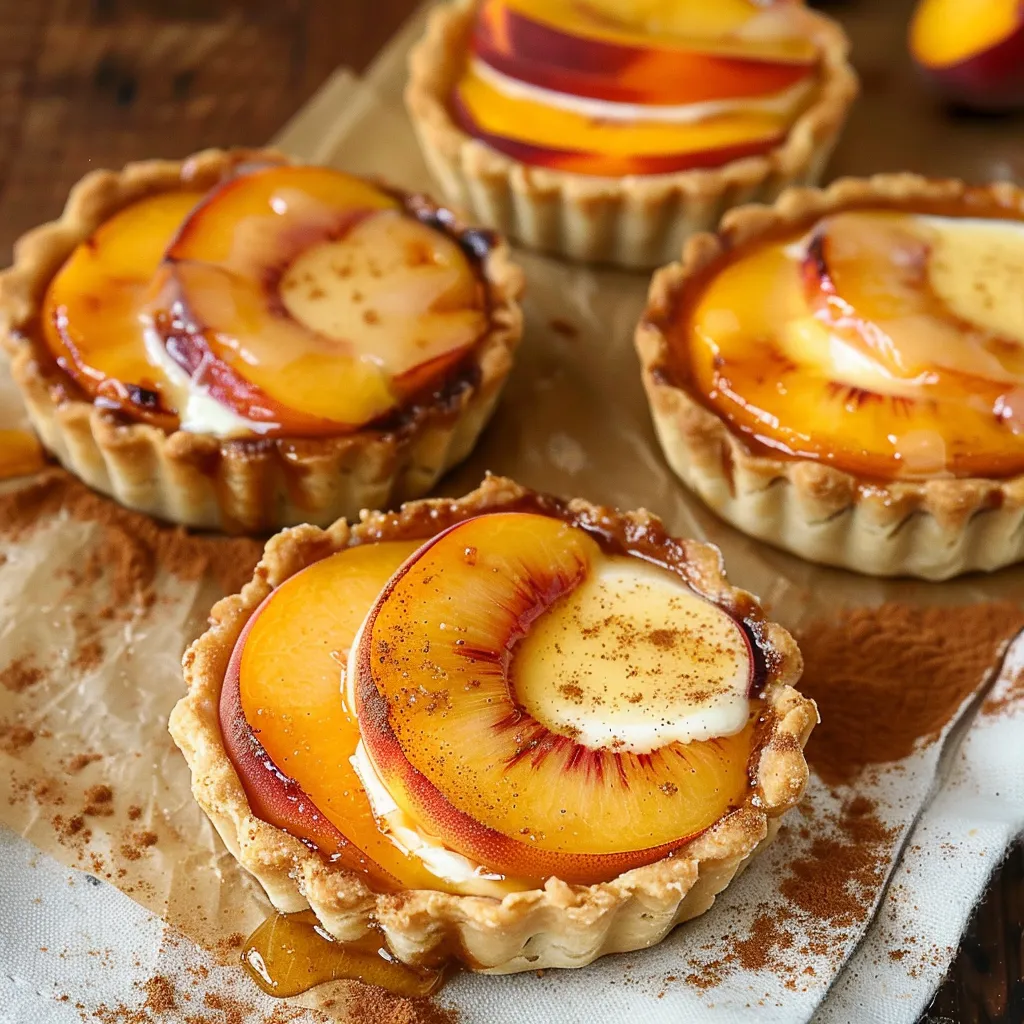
(238, 342)
(608, 131)
(510, 729)
(842, 373)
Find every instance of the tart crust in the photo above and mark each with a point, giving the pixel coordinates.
(559, 925)
(934, 529)
(637, 221)
(241, 484)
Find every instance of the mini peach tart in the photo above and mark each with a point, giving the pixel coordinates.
(242, 343)
(842, 374)
(510, 729)
(607, 131)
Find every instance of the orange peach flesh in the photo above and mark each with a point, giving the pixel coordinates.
(696, 54)
(972, 50)
(20, 454)
(442, 728)
(287, 675)
(944, 33)
(923, 395)
(90, 317)
(690, 25)
(253, 290)
(314, 287)
(547, 54)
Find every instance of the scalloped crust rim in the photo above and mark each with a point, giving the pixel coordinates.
(933, 529)
(248, 485)
(639, 221)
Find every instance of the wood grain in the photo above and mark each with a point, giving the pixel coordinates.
(94, 83)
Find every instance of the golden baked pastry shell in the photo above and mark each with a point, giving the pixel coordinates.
(559, 925)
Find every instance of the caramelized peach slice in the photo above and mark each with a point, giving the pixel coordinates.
(90, 315)
(869, 277)
(309, 302)
(20, 454)
(777, 345)
(522, 695)
(552, 57)
(287, 729)
(736, 27)
(537, 133)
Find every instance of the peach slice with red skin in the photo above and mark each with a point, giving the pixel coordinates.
(286, 727)
(533, 132)
(867, 277)
(727, 27)
(973, 50)
(761, 347)
(90, 317)
(552, 57)
(443, 730)
(275, 797)
(310, 302)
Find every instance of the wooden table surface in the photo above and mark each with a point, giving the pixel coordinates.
(94, 83)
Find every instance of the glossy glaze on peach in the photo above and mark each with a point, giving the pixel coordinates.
(458, 751)
(878, 342)
(429, 692)
(288, 301)
(287, 727)
(585, 89)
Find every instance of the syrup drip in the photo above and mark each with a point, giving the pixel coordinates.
(20, 454)
(291, 953)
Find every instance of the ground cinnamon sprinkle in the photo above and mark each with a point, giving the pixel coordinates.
(759, 950)
(15, 738)
(159, 995)
(133, 546)
(376, 1006)
(886, 677)
(21, 674)
(80, 762)
(838, 880)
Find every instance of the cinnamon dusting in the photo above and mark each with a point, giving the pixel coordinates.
(132, 547)
(887, 678)
(21, 674)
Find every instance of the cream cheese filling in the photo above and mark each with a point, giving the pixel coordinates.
(455, 869)
(198, 411)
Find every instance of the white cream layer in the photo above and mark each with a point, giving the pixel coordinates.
(633, 659)
(787, 102)
(198, 411)
(689, 661)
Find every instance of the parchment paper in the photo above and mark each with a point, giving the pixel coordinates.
(573, 421)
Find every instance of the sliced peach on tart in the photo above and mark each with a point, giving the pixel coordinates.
(546, 708)
(536, 132)
(90, 314)
(289, 732)
(309, 301)
(740, 27)
(301, 300)
(883, 280)
(878, 341)
(553, 56)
